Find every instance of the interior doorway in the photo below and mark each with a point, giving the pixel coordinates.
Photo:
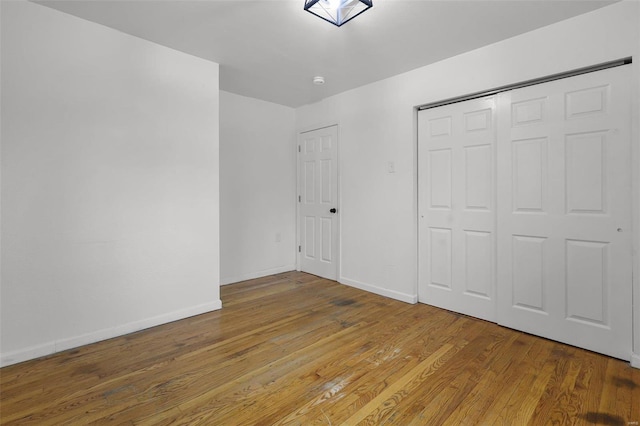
(318, 210)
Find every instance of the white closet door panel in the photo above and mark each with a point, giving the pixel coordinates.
(456, 151)
(564, 212)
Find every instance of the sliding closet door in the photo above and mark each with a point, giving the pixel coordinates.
(564, 212)
(456, 173)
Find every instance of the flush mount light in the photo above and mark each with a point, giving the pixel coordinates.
(337, 12)
(318, 80)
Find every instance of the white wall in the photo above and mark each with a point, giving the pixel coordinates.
(377, 125)
(109, 183)
(257, 188)
(635, 361)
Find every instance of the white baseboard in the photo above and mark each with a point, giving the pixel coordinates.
(104, 334)
(26, 354)
(635, 360)
(403, 297)
(258, 274)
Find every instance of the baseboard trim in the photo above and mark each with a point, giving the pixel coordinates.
(403, 297)
(258, 274)
(104, 334)
(635, 360)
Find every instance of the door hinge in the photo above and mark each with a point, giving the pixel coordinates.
(299, 249)
(299, 148)
(299, 198)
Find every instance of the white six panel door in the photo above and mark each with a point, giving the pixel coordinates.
(564, 211)
(318, 189)
(457, 207)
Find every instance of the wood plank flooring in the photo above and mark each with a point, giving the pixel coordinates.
(294, 349)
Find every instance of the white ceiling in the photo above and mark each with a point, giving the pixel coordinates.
(272, 49)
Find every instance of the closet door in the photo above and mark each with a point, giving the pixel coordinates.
(456, 181)
(564, 211)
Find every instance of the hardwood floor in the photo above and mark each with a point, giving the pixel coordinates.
(294, 349)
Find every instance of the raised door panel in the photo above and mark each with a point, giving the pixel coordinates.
(309, 182)
(440, 179)
(585, 166)
(440, 258)
(326, 177)
(587, 281)
(326, 225)
(310, 237)
(478, 262)
(529, 175)
(586, 102)
(478, 177)
(438, 127)
(528, 273)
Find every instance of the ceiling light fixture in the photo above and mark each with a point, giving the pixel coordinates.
(337, 12)
(318, 80)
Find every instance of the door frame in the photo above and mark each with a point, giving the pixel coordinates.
(296, 201)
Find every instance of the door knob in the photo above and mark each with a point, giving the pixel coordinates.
(333, 210)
